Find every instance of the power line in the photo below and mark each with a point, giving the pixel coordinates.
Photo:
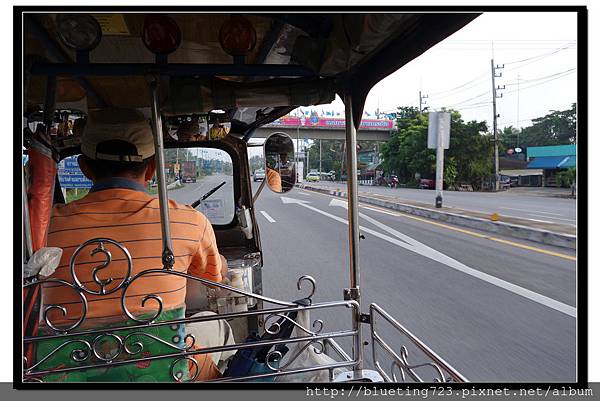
(568, 46)
(531, 61)
(478, 78)
(543, 82)
(509, 40)
(541, 78)
(472, 98)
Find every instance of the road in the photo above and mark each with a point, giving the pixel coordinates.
(221, 209)
(497, 309)
(516, 202)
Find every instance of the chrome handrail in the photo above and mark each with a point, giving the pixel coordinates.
(437, 363)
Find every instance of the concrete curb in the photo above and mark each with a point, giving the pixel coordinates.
(498, 227)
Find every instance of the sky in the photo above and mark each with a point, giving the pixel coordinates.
(538, 50)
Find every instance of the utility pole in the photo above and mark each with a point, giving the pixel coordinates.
(422, 101)
(297, 145)
(496, 115)
(518, 124)
(320, 168)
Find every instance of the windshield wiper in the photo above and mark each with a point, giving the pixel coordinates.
(209, 193)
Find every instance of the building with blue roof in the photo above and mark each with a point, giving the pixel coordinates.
(552, 160)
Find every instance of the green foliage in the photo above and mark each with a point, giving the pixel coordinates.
(555, 128)
(256, 162)
(468, 160)
(74, 194)
(566, 178)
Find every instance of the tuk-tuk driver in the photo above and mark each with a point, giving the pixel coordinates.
(118, 156)
(273, 178)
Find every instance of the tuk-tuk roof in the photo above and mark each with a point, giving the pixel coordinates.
(299, 60)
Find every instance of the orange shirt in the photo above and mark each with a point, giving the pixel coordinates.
(274, 180)
(131, 218)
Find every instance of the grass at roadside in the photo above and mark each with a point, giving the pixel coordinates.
(74, 194)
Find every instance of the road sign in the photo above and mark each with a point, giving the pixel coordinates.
(518, 150)
(74, 181)
(438, 137)
(70, 176)
(439, 124)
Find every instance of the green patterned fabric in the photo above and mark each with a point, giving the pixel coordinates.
(144, 371)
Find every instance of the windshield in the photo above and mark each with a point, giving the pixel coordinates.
(192, 173)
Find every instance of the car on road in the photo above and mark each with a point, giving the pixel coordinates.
(188, 173)
(426, 183)
(313, 177)
(259, 175)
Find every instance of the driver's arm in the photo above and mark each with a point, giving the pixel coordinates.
(206, 262)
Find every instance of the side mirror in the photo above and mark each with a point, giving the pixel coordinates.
(280, 169)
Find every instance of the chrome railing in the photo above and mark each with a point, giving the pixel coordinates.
(83, 345)
(439, 370)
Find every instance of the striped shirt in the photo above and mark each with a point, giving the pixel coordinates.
(132, 218)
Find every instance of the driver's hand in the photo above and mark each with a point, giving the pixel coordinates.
(224, 268)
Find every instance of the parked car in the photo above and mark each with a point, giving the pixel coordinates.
(509, 181)
(426, 183)
(312, 177)
(259, 175)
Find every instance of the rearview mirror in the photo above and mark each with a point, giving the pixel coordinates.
(280, 169)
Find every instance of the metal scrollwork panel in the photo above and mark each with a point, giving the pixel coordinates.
(101, 283)
(429, 368)
(51, 309)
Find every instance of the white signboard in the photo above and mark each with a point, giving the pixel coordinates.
(439, 124)
(300, 172)
(213, 208)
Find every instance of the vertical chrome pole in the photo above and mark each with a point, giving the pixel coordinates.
(26, 224)
(353, 226)
(167, 255)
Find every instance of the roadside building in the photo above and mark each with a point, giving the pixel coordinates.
(551, 160)
(513, 167)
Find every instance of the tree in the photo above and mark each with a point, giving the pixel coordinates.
(555, 128)
(256, 162)
(468, 160)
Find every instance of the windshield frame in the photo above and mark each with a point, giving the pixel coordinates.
(74, 151)
(233, 155)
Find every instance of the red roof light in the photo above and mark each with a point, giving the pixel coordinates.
(160, 34)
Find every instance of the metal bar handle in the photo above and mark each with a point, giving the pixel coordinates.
(168, 258)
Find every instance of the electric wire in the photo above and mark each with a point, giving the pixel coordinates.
(541, 83)
(525, 81)
(540, 56)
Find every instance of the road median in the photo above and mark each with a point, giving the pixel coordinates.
(546, 233)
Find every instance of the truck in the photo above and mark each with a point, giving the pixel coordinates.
(188, 171)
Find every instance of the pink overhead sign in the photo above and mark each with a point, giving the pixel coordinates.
(322, 122)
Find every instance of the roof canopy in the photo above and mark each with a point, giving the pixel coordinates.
(556, 150)
(299, 60)
(553, 162)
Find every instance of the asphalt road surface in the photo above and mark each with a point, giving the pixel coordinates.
(219, 207)
(516, 202)
(497, 309)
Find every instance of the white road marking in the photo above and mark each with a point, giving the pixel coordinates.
(271, 220)
(415, 246)
(529, 210)
(553, 218)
